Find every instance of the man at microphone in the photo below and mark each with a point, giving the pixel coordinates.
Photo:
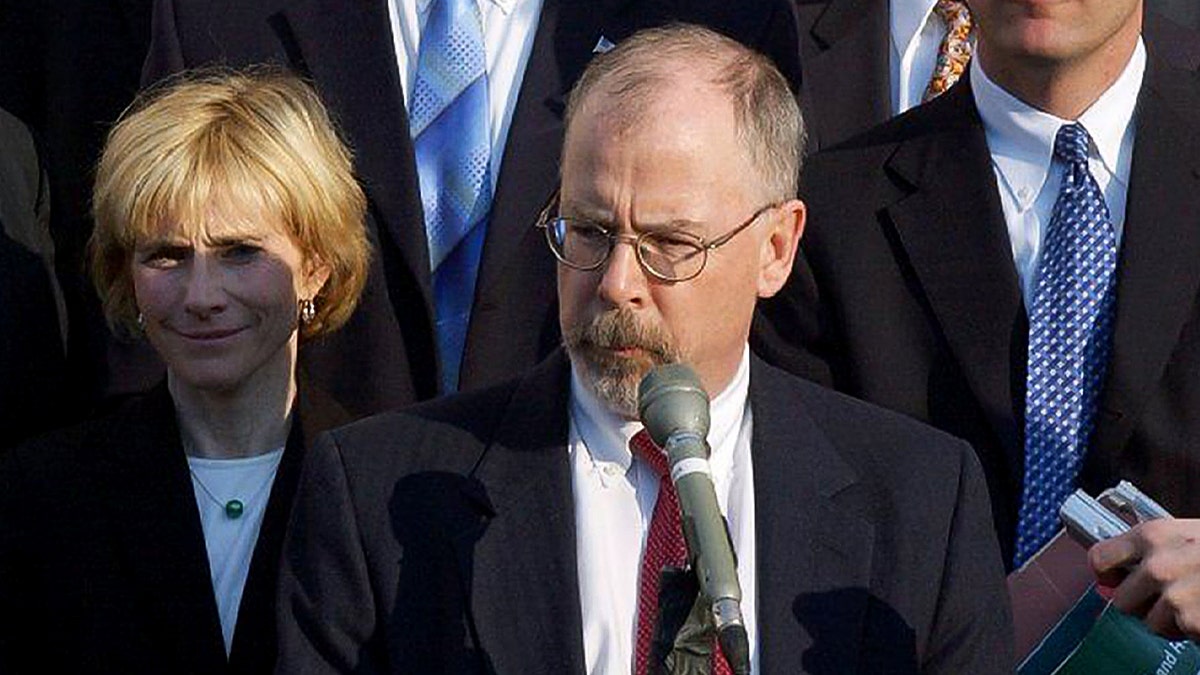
(526, 528)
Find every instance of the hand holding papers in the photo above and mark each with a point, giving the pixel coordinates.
(1066, 625)
(1155, 571)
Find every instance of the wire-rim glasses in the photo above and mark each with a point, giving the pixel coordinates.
(674, 256)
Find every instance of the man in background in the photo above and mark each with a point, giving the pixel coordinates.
(1015, 264)
(865, 61)
(32, 320)
(68, 68)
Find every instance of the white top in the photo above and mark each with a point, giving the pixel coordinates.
(614, 502)
(916, 36)
(230, 541)
(508, 30)
(1021, 141)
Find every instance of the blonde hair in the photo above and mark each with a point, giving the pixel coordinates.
(258, 137)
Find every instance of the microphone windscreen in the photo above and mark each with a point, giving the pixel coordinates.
(670, 399)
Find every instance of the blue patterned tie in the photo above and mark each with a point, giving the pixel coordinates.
(448, 117)
(1070, 336)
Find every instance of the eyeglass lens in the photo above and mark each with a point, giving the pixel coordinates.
(587, 245)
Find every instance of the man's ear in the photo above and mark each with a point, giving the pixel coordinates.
(779, 248)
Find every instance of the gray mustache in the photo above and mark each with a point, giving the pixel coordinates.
(619, 329)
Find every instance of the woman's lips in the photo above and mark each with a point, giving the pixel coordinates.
(210, 335)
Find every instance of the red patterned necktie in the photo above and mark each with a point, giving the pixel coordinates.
(954, 53)
(665, 547)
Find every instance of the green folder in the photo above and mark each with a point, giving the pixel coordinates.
(1094, 638)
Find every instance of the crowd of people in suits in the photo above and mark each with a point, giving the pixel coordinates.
(982, 215)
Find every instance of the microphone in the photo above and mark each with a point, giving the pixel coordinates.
(674, 409)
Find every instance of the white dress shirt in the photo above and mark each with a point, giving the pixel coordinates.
(614, 502)
(916, 36)
(508, 30)
(1020, 139)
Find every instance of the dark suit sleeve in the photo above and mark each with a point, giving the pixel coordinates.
(972, 626)
(326, 605)
(166, 55)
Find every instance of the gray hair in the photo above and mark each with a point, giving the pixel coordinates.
(768, 119)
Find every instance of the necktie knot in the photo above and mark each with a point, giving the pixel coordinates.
(954, 52)
(953, 13)
(642, 446)
(1071, 143)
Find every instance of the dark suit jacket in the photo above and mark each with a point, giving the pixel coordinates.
(31, 344)
(386, 356)
(907, 296)
(845, 53)
(103, 566)
(442, 540)
(67, 69)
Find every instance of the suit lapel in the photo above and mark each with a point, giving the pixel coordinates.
(1158, 275)
(529, 170)
(525, 598)
(952, 227)
(255, 637)
(848, 36)
(357, 75)
(159, 533)
(814, 559)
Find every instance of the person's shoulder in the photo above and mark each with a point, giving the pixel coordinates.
(55, 459)
(1174, 43)
(446, 432)
(1178, 90)
(49, 453)
(952, 113)
(881, 444)
(16, 135)
(20, 169)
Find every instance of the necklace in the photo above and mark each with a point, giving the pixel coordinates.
(234, 508)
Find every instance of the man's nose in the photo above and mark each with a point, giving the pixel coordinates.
(623, 281)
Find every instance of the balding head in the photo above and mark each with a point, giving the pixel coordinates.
(626, 83)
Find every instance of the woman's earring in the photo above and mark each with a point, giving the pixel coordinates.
(308, 311)
(141, 321)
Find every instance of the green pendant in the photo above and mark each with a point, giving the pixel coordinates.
(234, 509)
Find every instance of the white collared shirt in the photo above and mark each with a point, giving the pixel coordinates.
(1020, 139)
(614, 502)
(916, 35)
(509, 27)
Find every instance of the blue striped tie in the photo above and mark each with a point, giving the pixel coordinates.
(1070, 337)
(448, 117)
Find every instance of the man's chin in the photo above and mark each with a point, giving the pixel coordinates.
(619, 395)
(614, 381)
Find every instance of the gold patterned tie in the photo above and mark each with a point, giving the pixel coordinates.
(955, 51)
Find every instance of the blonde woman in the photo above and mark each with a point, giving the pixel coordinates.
(229, 231)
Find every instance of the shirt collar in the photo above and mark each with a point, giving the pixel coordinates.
(908, 17)
(1021, 137)
(606, 435)
(505, 6)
